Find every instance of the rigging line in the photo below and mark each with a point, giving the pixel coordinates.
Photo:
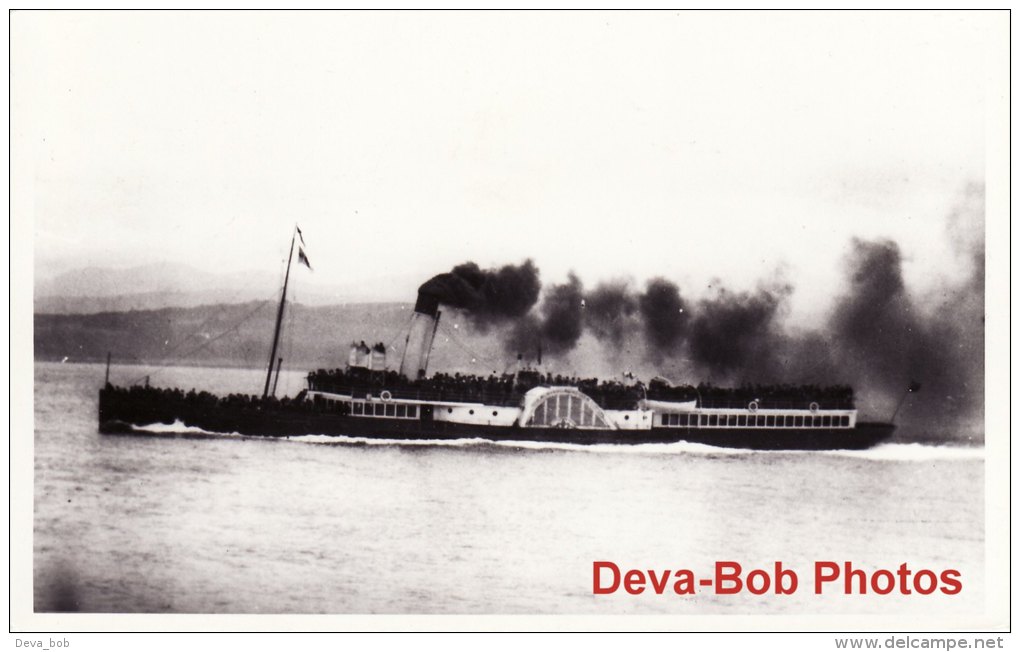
(221, 310)
(405, 331)
(198, 329)
(205, 344)
(400, 331)
(228, 331)
(224, 307)
(455, 340)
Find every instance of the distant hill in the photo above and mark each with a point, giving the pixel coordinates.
(165, 285)
(240, 334)
(64, 304)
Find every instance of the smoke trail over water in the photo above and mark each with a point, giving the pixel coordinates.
(877, 336)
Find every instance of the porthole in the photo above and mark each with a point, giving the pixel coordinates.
(449, 410)
(471, 411)
(626, 417)
(494, 413)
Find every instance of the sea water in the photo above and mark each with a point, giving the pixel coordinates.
(230, 524)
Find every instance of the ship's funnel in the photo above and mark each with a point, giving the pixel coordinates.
(486, 296)
(360, 355)
(420, 335)
(377, 358)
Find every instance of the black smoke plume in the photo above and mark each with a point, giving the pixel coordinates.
(557, 327)
(487, 296)
(874, 322)
(665, 316)
(610, 310)
(737, 331)
(890, 340)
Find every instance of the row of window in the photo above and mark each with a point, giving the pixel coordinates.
(755, 420)
(373, 409)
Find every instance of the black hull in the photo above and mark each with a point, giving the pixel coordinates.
(120, 413)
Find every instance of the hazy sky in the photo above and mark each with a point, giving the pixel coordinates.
(689, 145)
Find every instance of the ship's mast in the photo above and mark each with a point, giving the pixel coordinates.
(279, 317)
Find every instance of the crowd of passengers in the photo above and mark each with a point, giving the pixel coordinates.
(779, 395)
(454, 387)
(508, 388)
(202, 398)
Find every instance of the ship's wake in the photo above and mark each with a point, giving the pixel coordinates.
(480, 442)
(179, 428)
(882, 452)
(887, 452)
(915, 452)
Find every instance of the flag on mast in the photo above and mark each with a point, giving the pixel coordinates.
(299, 234)
(302, 258)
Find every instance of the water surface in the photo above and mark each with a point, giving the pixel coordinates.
(178, 524)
